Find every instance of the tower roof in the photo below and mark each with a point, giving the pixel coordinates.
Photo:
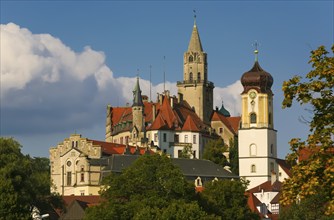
(137, 98)
(223, 111)
(258, 79)
(195, 44)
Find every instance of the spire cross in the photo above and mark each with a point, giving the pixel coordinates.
(256, 45)
(137, 73)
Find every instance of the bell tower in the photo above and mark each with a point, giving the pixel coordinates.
(195, 87)
(257, 136)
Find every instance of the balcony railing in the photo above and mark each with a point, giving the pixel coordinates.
(185, 82)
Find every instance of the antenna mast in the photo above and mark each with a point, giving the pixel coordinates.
(150, 82)
(164, 74)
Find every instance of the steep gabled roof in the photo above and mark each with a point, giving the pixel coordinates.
(285, 166)
(235, 123)
(190, 125)
(227, 121)
(159, 123)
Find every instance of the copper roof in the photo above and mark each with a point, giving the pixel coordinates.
(258, 79)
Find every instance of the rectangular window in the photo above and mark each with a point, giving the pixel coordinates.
(155, 137)
(82, 192)
(121, 140)
(69, 178)
(126, 139)
(176, 138)
(165, 137)
(185, 138)
(194, 139)
(82, 177)
(220, 130)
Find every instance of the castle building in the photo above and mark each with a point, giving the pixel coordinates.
(76, 166)
(257, 136)
(175, 124)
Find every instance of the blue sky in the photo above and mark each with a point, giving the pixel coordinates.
(63, 62)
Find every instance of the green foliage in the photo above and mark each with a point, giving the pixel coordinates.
(234, 156)
(316, 173)
(24, 182)
(145, 188)
(226, 199)
(16, 189)
(186, 152)
(153, 188)
(214, 150)
(309, 208)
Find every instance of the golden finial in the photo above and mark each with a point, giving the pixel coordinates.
(256, 51)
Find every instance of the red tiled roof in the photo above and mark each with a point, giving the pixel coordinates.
(267, 187)
(285, 166)
(190, 125)
(87, 199)
(113, 148)
(253, 202)
(227, 121)
(235, 123)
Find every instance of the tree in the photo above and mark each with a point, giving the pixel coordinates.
(16, 189)
(234, 156)
(24, 182)
(214, 151)
(226, 199)
(146, 188)
(316, 173)
(186, 152)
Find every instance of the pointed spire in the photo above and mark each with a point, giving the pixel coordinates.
(195, 44)
(137, 98)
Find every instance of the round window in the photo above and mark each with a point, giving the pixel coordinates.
(69, 163)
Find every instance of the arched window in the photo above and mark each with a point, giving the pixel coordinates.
(253, 117)
(191, 76)
(252, 150)
(199, 76)
(253, 168)
(191, 59)
(198, 181)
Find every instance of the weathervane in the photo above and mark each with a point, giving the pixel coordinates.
(256, 52)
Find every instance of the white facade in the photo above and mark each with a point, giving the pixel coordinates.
(257, 138)
(172, 142)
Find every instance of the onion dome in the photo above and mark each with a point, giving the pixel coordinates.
(257, 79)
(224, 112)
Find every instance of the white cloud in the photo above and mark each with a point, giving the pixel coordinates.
(47, 87)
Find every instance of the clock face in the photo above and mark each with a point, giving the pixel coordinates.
(252, 95)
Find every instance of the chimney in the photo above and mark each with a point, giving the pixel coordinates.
(273, 177)
(171, 102)
(153, 112)
(180, 97)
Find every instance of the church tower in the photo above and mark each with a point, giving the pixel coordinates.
(195, 87)
(257, 136)
(137, 114)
